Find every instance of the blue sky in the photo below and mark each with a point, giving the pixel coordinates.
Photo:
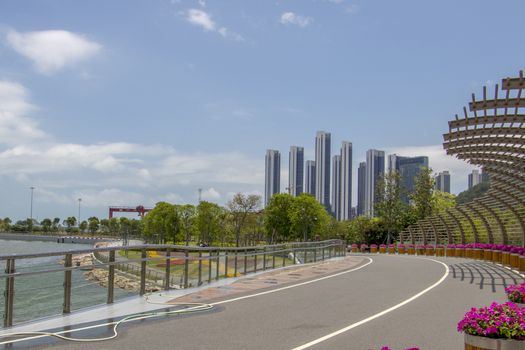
(132, 102)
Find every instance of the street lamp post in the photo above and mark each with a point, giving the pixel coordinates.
(32, 188)
(79, 200)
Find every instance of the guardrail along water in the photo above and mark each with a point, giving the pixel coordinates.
(80, 278)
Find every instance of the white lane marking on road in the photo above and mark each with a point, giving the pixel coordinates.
(370, 260)
(379, 314)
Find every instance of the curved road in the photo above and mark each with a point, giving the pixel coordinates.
(291, 318)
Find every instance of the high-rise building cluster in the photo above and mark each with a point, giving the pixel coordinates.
(329, 178)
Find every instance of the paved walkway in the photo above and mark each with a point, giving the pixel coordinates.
(272, 311)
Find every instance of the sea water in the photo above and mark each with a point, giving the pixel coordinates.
(42, 295)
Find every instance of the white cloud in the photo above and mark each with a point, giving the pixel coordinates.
(200, 18)
(53, 50)
(204, 20)
(439, 160)
(298, 20)
(108, 197)
(15, 127)
(210, 194)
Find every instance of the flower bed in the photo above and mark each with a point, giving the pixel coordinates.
(489, 327)
(373, 248)
(411, 249)
(516, 293)
(421, 249)
(429, 250)
(450, 250)
(391, 249)
(440, 250)
(382, 248)
(355, 248)
(363, 248)
(460, 250)
(401, 249)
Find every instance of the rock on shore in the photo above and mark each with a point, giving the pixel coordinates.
(127, 283)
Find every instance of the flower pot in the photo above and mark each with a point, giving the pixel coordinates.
(522, 263)
(505, 258)
(476, 254)
(355, 249)
(440, 251)
(451, 252)
(474, 342)
(430, 251)
(460, 252)
(496, 256)
(401, 250)
(411, 251)
(514, 260)
(391, 250)
(487, 255)
(373, 250)
(382, 250)
(468, 253)
(421, 251)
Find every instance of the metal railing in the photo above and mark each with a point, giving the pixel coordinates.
(207, 264)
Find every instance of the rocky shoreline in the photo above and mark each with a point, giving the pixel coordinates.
(123, 282)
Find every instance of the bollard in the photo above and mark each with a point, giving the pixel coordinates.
(68, 262)
(186, 267)
(200, 268)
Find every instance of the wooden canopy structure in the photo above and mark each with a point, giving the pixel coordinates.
(491, 136)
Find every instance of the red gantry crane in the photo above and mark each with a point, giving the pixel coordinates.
(139, 209)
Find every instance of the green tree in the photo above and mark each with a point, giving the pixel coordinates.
(5, 224)
(163, 221)
(422, 197)
(56, 224)
(473, 193)
(442, 201)
(388, 206)
(93, 225)
(46, 224)
(83, 226)
(209, 221)
(70, 222)
(114, 226)
(187, 214)
(367, 230)
(104, 225)
(239, 206)
(308, 217)
(277, 217)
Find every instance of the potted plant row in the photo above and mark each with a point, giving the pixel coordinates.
(516, 294)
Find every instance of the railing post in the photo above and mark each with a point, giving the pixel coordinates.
(255, 260)
(144, 256)
(209, 266)
(200, 268)
(330, 252)
(218, 263)
(273, 257)
(111, 277)
(305, 257)
(68, 262)
(186, 267)
(235, 265)
(284, 256)
(225, 264)
(322, 253)
(264, 259)
(167, 282)
(315, 254)
(245, 260)
(9, 294)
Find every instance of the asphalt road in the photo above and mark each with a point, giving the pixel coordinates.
(292, 317)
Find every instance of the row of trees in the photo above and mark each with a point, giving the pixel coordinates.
(285, 218)
(392, 215)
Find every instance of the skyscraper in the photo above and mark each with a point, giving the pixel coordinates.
(443, 181)
(336, 186)
(474, 178)
(309, 177)
(322, 168)
(361, 188)
(272, 181)
(296, 169)
(409, 169)
(375, 168)
(346, 181)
